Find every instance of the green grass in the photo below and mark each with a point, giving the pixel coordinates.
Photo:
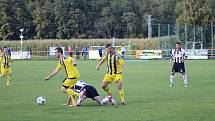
(148, 95)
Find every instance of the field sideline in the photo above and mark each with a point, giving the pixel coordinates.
(148, 95)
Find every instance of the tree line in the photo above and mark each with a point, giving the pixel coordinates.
(66, 19)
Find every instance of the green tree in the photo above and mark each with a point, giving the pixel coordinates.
(194, 12)
(23, 18)
(40, 21)
(7, 21)
(129, 19)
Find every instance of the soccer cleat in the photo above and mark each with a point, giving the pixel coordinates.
(8, 84)
(111, 100)
(171, 85)
(123, 102)
(186, 85)
(71, 105)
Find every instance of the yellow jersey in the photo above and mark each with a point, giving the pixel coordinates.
(114, 63)
(68, 65)
(5, 60)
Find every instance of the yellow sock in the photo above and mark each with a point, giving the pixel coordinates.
(8, 79)
(107, 90)
(73, 100)
(72, 92)
(122, 95)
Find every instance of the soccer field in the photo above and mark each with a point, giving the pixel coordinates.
(146, 84)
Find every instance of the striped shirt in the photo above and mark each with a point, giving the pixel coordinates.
(79, 86)
(5, 60)
(178, 56)
(114, 63)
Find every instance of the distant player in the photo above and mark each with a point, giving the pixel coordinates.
(123, 50)
(100, 52)
(70, 66)
(178, 56)
(6, 70)
(88, 91)
(115, 67)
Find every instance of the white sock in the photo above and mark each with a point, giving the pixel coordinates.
(104, 101)
(171, 79)
(185, 79)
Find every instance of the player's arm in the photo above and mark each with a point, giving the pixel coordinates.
(1, 58)
(184, 55)
(122, 63)
(100, 63)
(170, 60)
(123, 67)
(55, 71)
(74, 61)
(171, 57)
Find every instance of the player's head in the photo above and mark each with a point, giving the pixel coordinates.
(109, 48)
(70, 54)
(178, 45)
(59, 52)
(5, 49)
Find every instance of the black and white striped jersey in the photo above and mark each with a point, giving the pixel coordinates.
(79, 86)
(178, 56)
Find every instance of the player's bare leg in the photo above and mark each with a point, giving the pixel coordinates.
(3, 77)
(69, 101)
(98, 100)
(121, 92)
(105, 87)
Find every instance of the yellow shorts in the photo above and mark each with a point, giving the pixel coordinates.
(110, 78)
(6, 70)
(70, 82)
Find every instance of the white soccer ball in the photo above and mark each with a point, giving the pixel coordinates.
(41, 100)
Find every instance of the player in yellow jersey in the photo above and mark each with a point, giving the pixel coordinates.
(70, 66)
(5, 60)
(116, 66)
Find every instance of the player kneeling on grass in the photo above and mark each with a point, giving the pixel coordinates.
(88, 91)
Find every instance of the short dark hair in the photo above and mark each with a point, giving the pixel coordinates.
(59, 50)
(108, 45)
(178, 43)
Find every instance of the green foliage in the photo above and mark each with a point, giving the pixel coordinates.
(194, 12)
(67, 19)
